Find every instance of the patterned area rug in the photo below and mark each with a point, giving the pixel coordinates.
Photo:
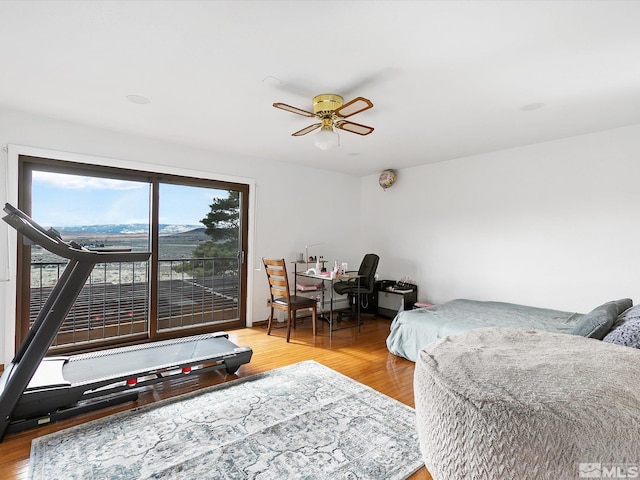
(304, 421)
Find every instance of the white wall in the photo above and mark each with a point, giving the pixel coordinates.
(551, 225)
(287, 214)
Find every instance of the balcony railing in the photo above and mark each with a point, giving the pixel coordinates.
(114, 303)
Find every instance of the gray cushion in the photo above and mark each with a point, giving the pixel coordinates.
(626, 329)
(628, 314)
(598, 322)
(504, 404)
(623, 304)
(627, 335)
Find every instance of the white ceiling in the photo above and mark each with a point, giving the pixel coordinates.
(448, 78)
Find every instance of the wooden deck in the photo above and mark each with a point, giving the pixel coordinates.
(107, 310)
(361, 356)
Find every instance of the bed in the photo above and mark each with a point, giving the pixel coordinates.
(412, 330)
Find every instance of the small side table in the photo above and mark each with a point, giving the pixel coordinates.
(391, 302)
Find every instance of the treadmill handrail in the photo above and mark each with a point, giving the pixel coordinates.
(53, 243)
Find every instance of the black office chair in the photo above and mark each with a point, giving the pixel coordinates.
(357, 288)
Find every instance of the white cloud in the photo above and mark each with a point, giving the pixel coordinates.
(77, 182)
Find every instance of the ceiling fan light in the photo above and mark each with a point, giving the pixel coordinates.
(327, 139)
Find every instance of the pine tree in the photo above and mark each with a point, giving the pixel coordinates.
(222, 225)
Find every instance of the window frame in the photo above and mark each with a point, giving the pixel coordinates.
(27, 163)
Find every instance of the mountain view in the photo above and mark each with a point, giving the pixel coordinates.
(175, 242)
(128, 228)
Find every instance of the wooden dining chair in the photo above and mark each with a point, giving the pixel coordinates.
(282, 299)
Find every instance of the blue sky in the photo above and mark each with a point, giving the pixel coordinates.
(69, 200)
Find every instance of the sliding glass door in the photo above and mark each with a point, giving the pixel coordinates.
(98, 214)
(194, 281)
(199, 263)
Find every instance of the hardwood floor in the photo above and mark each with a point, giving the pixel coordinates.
(362, 356)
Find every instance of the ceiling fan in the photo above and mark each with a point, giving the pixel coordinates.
(331, 110)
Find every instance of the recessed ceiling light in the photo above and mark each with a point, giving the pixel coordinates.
(139, 99)
(532, 106)
(270, 80)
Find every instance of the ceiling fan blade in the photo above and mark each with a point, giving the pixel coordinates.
(366, 81)
(306, 130)
(353, 127)
(356, 105)
(291, 109)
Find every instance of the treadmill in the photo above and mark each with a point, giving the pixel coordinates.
(37, 390)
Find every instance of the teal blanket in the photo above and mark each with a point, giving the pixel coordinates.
(412, 330)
